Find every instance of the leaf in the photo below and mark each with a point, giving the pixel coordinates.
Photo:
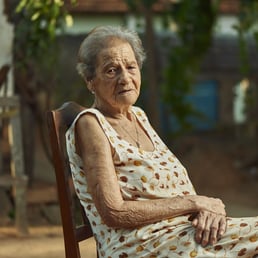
(35, 16)
(21, 6)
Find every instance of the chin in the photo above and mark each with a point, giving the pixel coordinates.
(128, 101)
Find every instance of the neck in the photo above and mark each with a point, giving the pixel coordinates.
(117, 113)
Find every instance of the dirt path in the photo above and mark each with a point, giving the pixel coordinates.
(43, 242)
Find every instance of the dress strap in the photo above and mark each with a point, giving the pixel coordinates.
(144, 121)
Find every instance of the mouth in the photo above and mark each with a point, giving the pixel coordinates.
(124, 91)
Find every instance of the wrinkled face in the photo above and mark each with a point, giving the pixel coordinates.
(117, 81)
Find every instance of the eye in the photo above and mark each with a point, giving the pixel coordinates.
(132, 68)
(111, 71)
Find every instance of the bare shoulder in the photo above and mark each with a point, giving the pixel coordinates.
(89, 134)
(86, 120)
(88, 126)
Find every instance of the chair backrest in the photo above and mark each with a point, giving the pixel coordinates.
(59, 121)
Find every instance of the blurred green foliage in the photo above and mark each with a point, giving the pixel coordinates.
(40, 23)
(246, 28)
(195, 21)
(247, 31)
(37, 27)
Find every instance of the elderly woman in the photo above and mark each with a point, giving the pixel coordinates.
(136, 194)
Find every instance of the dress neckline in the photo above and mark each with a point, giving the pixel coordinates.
(142, 123)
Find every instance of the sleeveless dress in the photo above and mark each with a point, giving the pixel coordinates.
(146, 175)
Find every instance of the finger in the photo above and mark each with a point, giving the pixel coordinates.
(215, 230)
(207, 230)
(222, 227)
(200, 227)
(195, 222)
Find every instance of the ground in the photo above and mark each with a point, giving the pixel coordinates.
(43, 242)
(219, 166)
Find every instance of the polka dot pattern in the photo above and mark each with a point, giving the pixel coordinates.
(146, 175)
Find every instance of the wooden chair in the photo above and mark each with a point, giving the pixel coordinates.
(59, 121)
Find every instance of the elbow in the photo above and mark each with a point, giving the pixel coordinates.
(111, 222)
(115, 213)
(117, 218)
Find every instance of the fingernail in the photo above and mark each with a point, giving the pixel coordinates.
(213, 242)
(204, 244)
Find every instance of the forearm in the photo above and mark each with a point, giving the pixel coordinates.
(129, 214)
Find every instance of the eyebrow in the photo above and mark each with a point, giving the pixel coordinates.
(109, 63)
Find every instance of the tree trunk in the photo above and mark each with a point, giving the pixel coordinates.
(153, 89)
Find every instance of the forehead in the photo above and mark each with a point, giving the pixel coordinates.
(116, 50)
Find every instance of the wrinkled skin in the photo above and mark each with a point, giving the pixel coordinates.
(116, 87)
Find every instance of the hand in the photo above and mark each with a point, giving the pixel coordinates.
(213, 205)
(209, 227)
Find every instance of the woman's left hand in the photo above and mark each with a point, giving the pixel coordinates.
(209, 227)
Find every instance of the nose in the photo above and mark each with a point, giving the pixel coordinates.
(124, 76)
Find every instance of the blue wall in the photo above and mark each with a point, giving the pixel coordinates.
(204, 99)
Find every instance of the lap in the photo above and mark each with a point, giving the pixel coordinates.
(175, 238)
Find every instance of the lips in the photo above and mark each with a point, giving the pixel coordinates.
(124, 91)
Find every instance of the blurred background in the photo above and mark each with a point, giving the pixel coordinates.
(199, 89)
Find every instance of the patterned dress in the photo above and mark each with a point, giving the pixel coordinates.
(146, 175)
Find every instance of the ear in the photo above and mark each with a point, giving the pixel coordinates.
(90, 86)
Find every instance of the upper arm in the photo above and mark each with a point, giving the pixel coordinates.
(96, 153)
